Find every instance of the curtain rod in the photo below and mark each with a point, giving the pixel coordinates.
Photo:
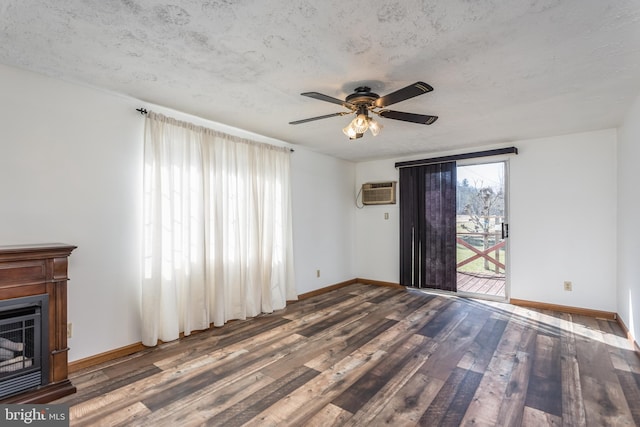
(445, 159)
(144, 111)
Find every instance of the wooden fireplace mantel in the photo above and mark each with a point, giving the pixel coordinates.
(27, 270)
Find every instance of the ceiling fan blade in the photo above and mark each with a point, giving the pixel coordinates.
(408, 117)
(418, 88)
(326, 116)
(321, 97)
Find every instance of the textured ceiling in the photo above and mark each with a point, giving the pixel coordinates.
(502, 70)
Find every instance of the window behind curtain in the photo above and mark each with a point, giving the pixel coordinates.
(217, 229)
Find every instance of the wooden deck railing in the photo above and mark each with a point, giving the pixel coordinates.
(486, 253)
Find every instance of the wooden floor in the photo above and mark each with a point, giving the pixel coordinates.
(486, 284)
(367, 355)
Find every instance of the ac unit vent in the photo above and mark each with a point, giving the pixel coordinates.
(379, 193)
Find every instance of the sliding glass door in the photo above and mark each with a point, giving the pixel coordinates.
(454, 228)
(481, 229)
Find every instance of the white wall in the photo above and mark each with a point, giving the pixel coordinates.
(563, 220)
(562, 223)
(71, 171)
(377, 239)
(628, 230)
(323, 220)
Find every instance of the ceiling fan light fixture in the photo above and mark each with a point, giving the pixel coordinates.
(360, 124)
(374, 127)
(350, 131)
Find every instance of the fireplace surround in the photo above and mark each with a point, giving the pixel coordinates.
(33, 294)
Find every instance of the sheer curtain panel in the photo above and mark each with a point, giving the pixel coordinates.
(217, 229)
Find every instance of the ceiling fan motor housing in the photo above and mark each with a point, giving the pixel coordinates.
(362, 96)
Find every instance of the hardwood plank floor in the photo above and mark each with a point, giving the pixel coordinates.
(366, 355)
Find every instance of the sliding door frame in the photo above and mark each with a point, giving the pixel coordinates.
(507, 215)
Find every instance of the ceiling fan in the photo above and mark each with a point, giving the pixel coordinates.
(362, 102)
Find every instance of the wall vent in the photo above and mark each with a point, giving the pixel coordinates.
(379, 193)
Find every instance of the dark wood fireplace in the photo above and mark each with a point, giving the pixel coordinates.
(33, 294)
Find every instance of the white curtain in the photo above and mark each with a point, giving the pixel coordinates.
(217, 229)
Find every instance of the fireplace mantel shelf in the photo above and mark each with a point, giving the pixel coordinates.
(28, 270)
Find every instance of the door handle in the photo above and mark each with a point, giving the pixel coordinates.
(505, 230)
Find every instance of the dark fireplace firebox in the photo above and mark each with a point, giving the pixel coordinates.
(23, 340)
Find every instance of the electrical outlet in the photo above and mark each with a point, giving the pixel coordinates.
(386, 215)
(568, 286)
(69, 330)
(317, 273)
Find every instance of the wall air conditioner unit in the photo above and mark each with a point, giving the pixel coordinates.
(379, 193)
